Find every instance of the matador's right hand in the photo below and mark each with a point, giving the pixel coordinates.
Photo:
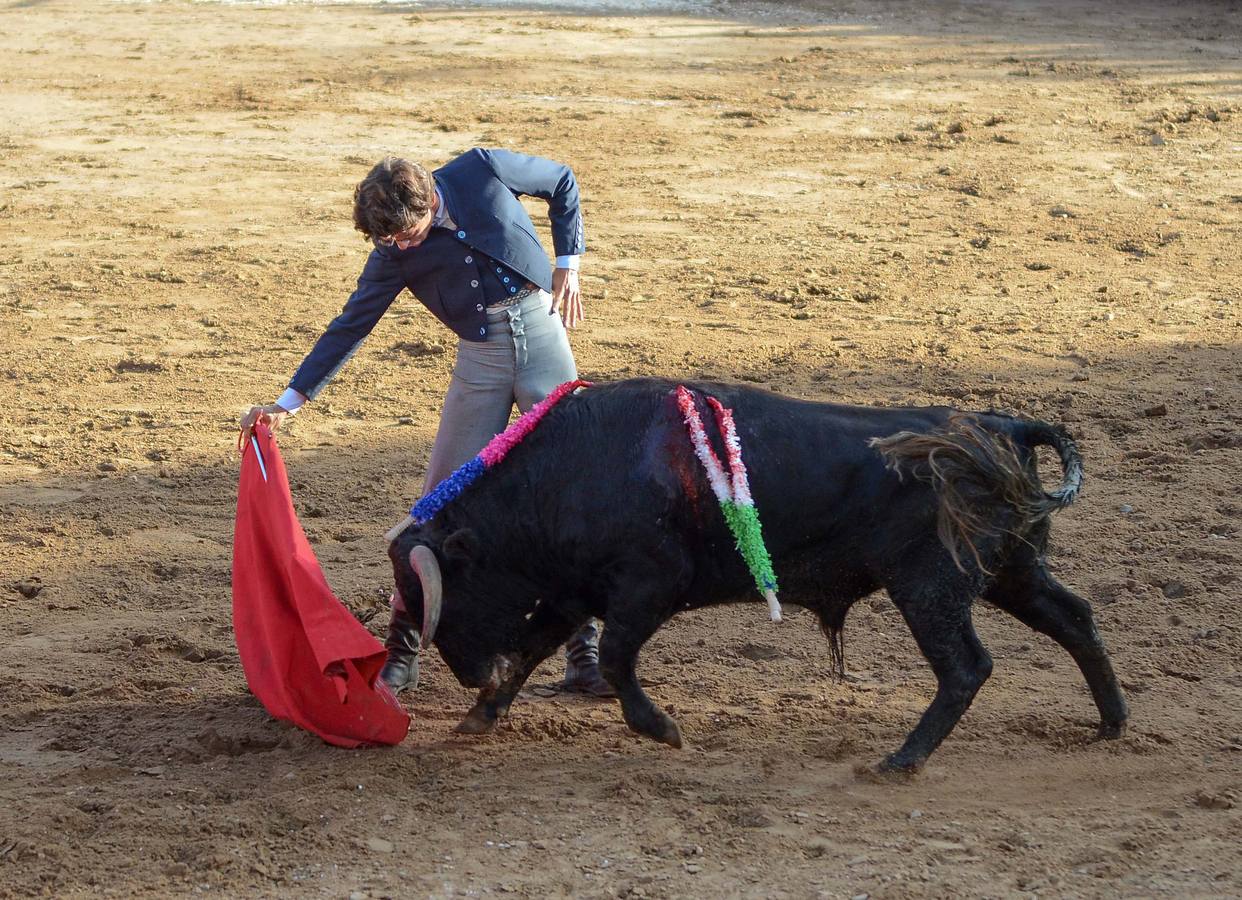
(271, 415)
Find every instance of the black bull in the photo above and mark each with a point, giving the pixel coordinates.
(604, 511)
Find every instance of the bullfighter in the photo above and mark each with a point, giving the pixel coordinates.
(460, 241)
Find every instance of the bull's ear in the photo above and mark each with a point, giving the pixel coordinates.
(462, 545)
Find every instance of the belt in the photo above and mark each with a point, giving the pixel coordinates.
(514, 299)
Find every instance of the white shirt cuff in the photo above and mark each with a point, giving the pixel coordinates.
(290, 400)
(568, 262)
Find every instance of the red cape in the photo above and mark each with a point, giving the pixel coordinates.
(306, 658)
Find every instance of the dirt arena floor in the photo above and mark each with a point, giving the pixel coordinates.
(1032, 206)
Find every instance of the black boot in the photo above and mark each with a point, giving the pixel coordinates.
(401, 670)
(582, 674)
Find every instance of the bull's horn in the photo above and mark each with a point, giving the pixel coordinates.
(423, 562)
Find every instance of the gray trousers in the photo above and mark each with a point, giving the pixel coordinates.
(526, 355)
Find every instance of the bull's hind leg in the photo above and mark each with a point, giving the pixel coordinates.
(939, 618)
(629, 625)
(1034, 597)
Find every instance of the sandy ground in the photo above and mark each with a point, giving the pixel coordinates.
(1022, 205)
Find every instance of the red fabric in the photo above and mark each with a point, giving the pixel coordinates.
(306, 658)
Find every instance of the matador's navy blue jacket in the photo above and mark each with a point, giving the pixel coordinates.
(457, 273)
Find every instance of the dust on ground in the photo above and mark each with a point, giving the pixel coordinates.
(1021, 205)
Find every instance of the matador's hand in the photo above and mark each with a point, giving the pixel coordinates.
(565, 297)
(271, 416)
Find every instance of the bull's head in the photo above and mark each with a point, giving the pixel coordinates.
(445, 587)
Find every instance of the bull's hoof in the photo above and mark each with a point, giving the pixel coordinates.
(476, 721)
(659, 727)
(670, 734)
(887, 771)
(1110, 731)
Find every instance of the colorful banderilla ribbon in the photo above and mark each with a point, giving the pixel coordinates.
(732, 491)
(497, 449)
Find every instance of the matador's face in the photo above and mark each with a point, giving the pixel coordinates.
(410, 237)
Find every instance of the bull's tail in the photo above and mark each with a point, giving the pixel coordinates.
(978, 473)
(1041, 434)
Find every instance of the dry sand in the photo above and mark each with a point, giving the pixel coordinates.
(1021, 205)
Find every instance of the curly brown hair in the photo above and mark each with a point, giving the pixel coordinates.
(394, 196)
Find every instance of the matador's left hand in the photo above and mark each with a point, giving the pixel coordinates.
(565, 297)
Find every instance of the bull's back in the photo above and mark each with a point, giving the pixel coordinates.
(815, 476)
(801, 453)
(613, 471)
(810, 465)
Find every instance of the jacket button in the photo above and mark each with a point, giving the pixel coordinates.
(483, 331)
(469, 259)
(512, 290)
(479, 307)
(474, 282)
(461, 234)
(497, 271)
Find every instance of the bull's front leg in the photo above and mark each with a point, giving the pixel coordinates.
(493, 702)
(625, 631)
(510, 673)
